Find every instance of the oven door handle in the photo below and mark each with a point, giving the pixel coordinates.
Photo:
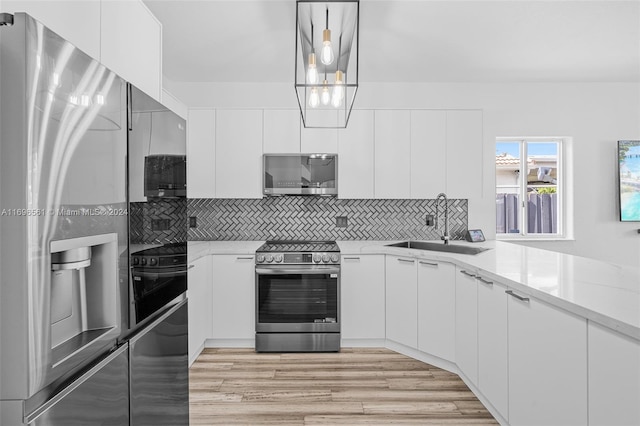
(174, 272)
(305, 271)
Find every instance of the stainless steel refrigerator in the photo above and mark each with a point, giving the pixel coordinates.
(67, 338)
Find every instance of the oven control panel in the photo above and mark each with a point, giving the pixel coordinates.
(298, 258)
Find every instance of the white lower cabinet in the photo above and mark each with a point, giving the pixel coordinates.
(362, 297)
(614, 378)
(233, 297)
(199, 294)
(547, 364)
(493, 367)
(467, 324)
(436, 308)
(401, 304)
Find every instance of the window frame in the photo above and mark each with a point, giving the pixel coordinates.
(563, 225)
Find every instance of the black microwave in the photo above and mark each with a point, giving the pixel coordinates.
(165, 176)
(300, 174)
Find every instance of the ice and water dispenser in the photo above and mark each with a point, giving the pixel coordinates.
(84, 293)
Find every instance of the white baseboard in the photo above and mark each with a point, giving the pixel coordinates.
(230, 343)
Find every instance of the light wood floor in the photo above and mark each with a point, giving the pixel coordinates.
(355, 386)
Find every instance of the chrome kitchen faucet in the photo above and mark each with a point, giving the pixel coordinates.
(445, 235)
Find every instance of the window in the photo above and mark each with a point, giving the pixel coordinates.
(530, 188)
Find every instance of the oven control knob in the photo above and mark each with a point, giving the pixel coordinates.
(260, 258)
(153, 261)
(278, 258)
(136, 260)
(334, 258)
(143, 261)
(317, 258)
(269, 258)
(325, 258)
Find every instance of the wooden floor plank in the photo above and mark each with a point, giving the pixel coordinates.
(371, 386)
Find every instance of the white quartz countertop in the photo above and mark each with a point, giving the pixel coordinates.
(605, 293)
(602, 292)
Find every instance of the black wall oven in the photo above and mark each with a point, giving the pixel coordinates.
(297, 302)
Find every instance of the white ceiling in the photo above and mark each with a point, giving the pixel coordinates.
(411, 41)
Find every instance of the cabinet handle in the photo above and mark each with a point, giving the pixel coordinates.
(351, 258)
(244, 258)
(517, 296)
(406, 260)
(487, 282)
(469, 274)
(428, 263)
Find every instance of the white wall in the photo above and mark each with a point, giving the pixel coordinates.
(595, 115)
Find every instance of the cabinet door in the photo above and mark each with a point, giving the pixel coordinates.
(362, 297)
(464, 154)
(131, 44)
(238, 154)
(321, 140)
(200, 312)
(402, 307)
(233, 297)
(547, 365)
(428, 153)
(356, 156)
(281, 131)
(436, 309)
(467, 324)
(201, 149)
(614, 377)
(493, 369)
(75, 21)
(392, 154)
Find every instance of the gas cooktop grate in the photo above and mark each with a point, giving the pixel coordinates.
(299, 246)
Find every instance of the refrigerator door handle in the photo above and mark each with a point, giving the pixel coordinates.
(31, 417)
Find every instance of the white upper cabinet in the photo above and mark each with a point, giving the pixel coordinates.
(392, 154)
(322, 140)
(75, 21)
(464, 171)
(428, 151)
(356, 156)
(238, 163)
(281, 131)
(131, 44)
(201, 153)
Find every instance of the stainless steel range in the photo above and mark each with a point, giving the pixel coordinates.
(298, 296)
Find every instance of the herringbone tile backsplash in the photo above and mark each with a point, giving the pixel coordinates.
(143, 214)
(314, 218)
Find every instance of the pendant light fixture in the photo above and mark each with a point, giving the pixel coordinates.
(327, 104)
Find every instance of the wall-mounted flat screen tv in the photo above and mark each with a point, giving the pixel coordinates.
(629, 172)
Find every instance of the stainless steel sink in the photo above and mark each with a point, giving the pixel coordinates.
(450, 248)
